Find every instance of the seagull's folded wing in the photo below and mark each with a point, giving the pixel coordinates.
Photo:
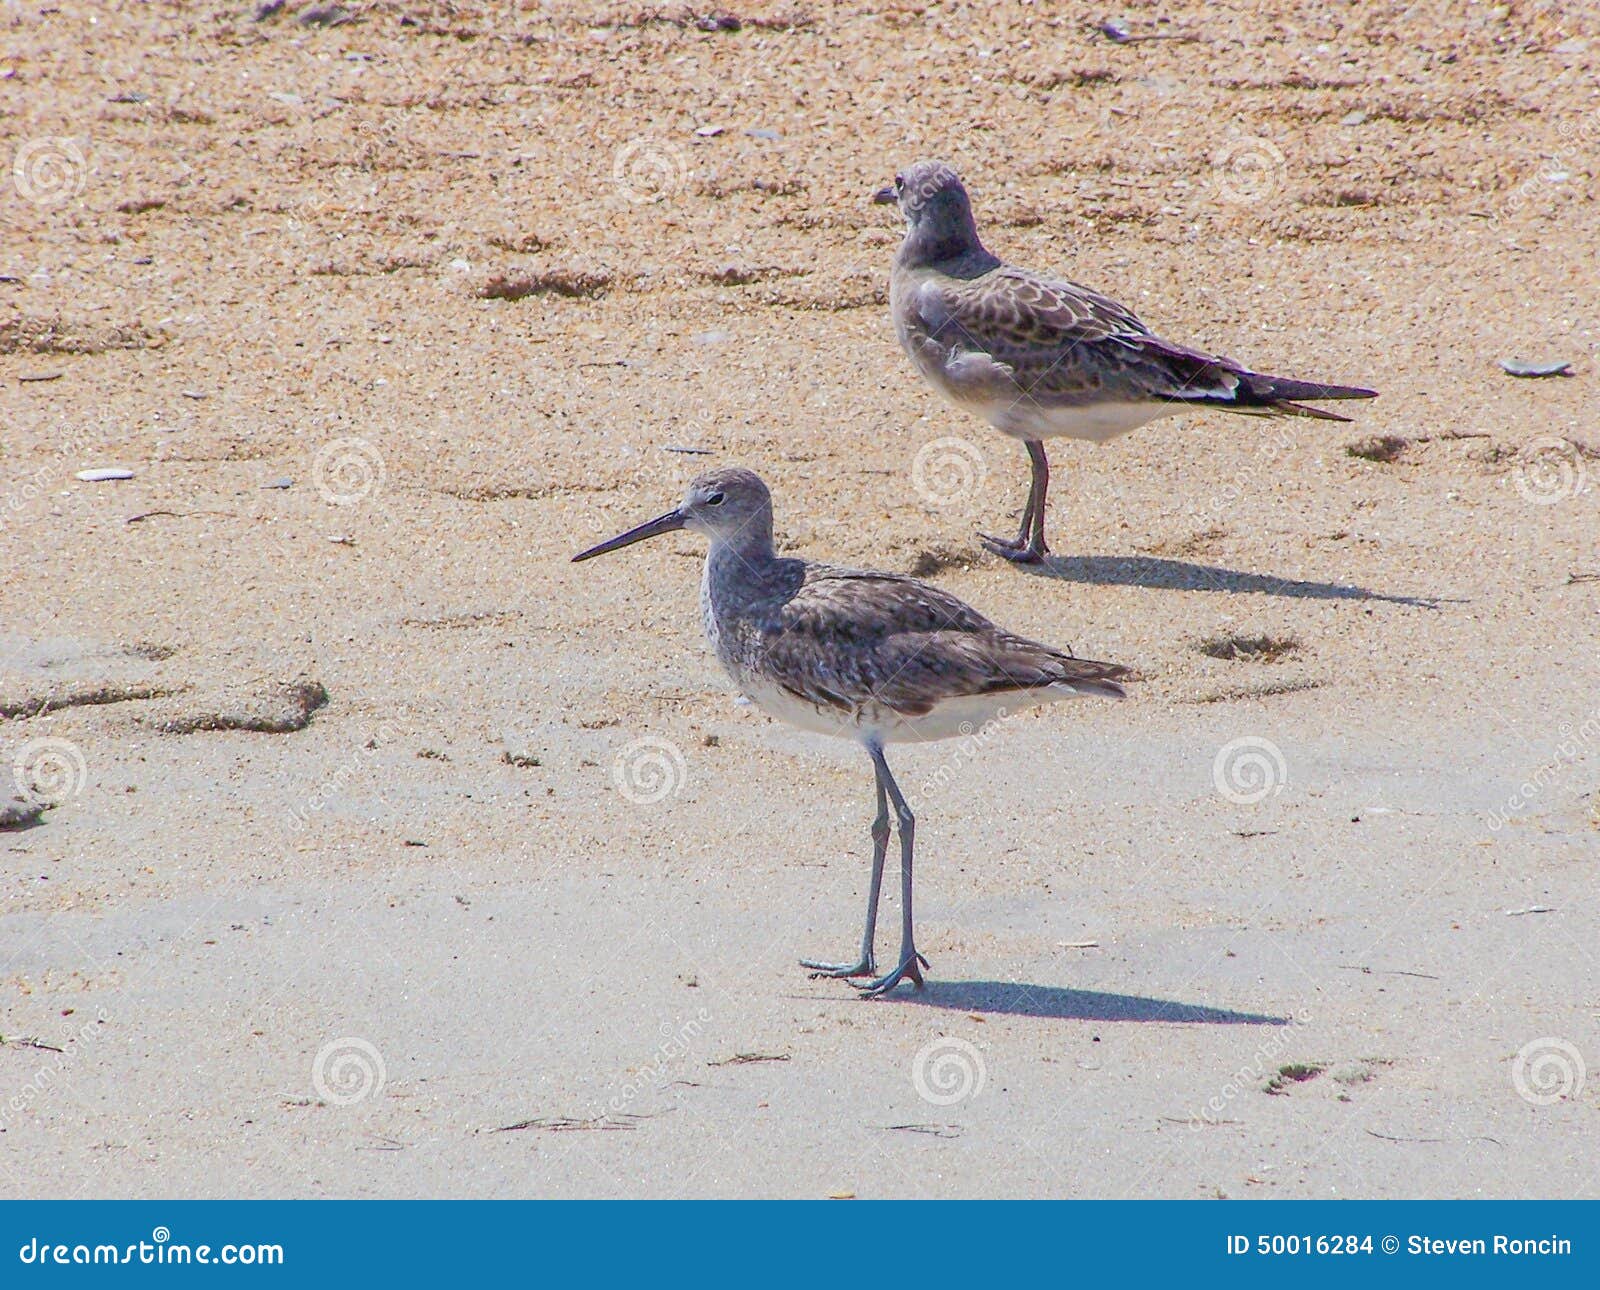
(1058, 340)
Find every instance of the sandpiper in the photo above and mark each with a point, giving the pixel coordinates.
(1039, 357)
(876, 657)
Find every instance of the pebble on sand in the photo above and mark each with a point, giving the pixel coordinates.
(1516, 367)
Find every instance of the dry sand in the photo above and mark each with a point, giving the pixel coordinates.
(519, 252)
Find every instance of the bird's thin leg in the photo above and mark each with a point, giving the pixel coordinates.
(1036, 549)
(1008, 548)
(1029, 548)
(864, 966)
(908, 966)
(1026, 530)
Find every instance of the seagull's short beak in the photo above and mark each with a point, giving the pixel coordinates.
(671, 522)
(886, 196)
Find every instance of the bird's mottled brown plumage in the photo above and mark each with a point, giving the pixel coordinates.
(1055, 343)
(848, 639)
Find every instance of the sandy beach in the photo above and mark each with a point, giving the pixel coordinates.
(362, 845)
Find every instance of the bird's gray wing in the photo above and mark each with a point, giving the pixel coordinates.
(1057, 341)
(849, 638)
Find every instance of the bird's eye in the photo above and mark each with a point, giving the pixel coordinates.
(714, 500)
(899, 182)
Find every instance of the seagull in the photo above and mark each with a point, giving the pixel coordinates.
(1040, 357)
(880, 658)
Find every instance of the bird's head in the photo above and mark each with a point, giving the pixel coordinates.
(729, 505)
(936, 208)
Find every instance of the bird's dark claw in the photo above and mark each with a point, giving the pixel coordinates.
(907, 970)
(1016, 552)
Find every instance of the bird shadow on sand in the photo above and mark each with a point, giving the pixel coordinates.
(1180, 575)
(1020, 999)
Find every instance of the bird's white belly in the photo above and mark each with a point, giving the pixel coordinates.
(786, 706)
(974, 381)
(1093, 422)
(952, 718)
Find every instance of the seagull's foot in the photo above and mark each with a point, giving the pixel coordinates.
(865, 967)
(906, 971)
(1016, 552)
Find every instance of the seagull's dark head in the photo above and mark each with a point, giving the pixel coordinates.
(937, 211)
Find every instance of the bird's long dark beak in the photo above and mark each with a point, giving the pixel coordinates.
(671, 522)
(886, 196)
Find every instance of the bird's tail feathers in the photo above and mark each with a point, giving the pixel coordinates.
(1283, 389)
(1254, 394)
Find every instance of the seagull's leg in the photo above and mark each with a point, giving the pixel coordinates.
(864, 966)
(1005, 547)
(1029, 548)
(1036, 549)
(906, 823)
